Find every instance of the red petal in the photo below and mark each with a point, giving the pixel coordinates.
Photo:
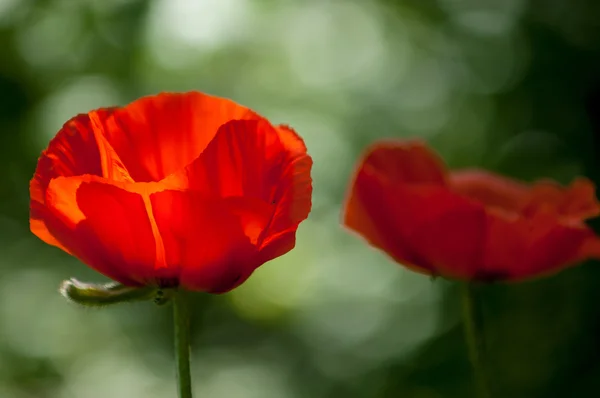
(105, 226)
(209, 241)
(375, 207)
(490, 189)
(158, 135)
(448, 232)
(531, 247)
(277, 245)
(505, 248)
(374, 210)
(576, 202)
(293, 197)
(251, 159)
(77, 149)
(243, 159)
(482, 227)
(404, 162)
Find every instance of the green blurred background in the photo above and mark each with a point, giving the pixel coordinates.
(509, 85)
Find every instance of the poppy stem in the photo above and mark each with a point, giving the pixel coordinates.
(181, 318)
(473, 325)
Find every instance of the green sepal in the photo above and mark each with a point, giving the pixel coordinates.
(100, 295)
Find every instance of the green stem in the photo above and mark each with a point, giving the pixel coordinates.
(475, 339)
(181, 318)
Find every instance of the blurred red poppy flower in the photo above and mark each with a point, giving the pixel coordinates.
(172, 190)
(468, 224)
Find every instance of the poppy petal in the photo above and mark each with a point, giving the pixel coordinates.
(575, 202)
(522, 248)
(374, 211)
(405, 162)
(252, 159)
(294, 192)
(293, 197)
(505, 248)
(72, 152)
(159, 135)
(209, 241)
(489, 189)
(552, 246)
(105, 226)
(243, 159)
(277, 245)
(77, 149)
(471, 225)
(375, 207)
(448, 232)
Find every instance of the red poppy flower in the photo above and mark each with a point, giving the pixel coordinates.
(470, 224)
(183, 190)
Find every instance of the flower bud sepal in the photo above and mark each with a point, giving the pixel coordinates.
(101, 295)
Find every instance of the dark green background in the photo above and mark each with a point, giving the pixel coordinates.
(509, 85)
